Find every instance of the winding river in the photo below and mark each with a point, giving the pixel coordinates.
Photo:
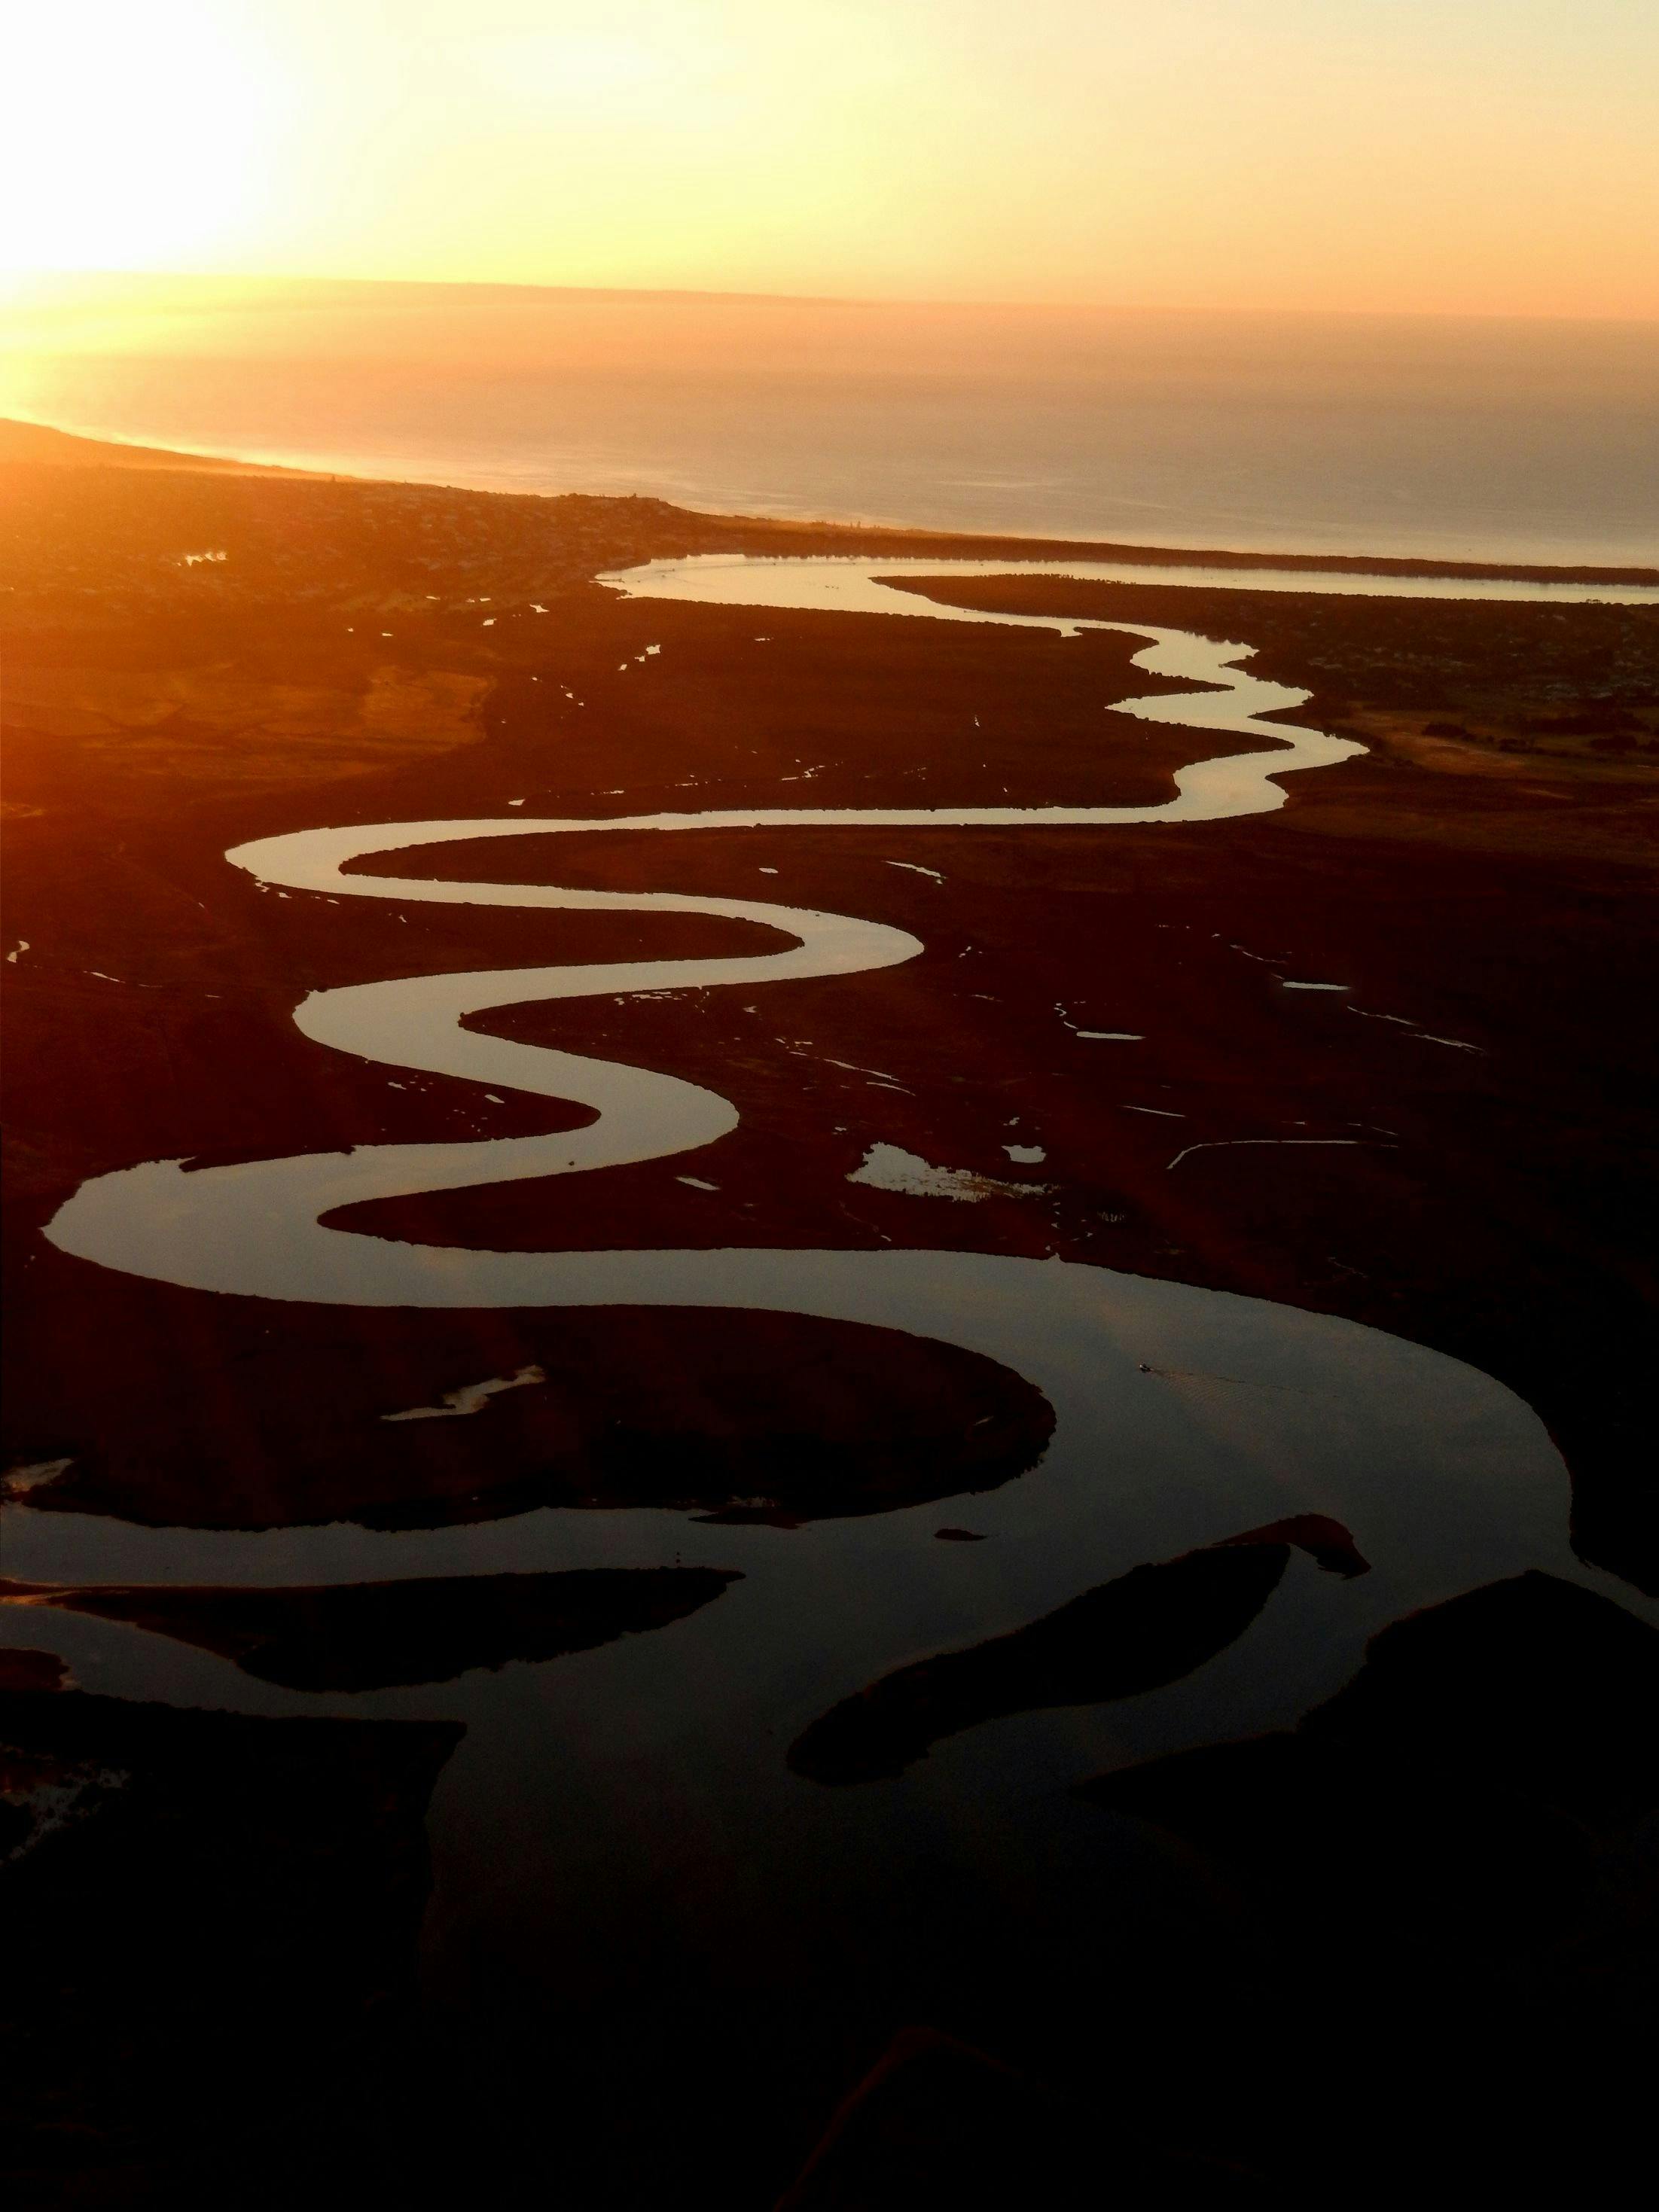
(632, 1802)
(1192, 1412)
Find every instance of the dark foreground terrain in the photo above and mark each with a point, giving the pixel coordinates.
(1406, 1941)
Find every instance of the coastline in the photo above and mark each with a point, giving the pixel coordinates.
(27, 443)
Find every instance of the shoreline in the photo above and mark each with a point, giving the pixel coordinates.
(28, 443)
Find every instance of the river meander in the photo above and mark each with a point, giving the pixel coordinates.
(1183, 1415)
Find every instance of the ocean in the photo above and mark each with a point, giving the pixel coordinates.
(1495, 440)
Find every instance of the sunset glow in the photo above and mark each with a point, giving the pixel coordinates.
(829, 832)
(138, 138)
(1472, 157)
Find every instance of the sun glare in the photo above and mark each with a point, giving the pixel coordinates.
(1342, 157)
(135, 136)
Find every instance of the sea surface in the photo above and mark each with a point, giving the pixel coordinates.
(1495, 440)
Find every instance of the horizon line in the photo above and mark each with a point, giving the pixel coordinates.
(17, 278)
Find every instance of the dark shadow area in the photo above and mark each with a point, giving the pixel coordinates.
(1409, 1944)
(1527, 1706)
(1450, 1872)
(936, 2122)
(211, 1927)
(932, 2121)
(1150, 1626)
(375, 1636)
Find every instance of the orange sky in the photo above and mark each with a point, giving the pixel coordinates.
(1478, 157)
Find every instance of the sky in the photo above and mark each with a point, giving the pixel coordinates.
(1438, 156)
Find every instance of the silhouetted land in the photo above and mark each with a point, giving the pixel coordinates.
(1152, 1627)
(365, 1635)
